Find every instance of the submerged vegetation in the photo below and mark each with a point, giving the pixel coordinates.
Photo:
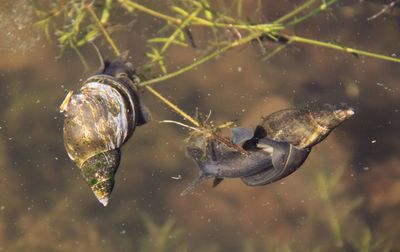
(82, 24)
(327, 209)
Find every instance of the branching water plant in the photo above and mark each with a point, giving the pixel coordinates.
(82, 24)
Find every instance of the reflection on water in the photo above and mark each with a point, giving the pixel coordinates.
(344, 196)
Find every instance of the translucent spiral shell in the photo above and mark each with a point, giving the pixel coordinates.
(300, 130)
(304, 128)
(98, 120)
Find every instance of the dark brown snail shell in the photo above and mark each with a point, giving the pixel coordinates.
(98, 121)
(297, 131)
(302, 127)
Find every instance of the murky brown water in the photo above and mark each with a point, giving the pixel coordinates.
(345, 195)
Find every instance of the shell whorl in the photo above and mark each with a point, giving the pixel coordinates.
(304, 128)
(99, 172)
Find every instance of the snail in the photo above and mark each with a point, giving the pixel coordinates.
(301, 129)
(221, 161)
(99, 119)
(278, 146)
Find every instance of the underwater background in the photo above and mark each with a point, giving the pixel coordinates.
(346, 197)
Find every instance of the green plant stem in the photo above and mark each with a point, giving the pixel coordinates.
(184, 69)
(162, 98)
(301, 19)
(199, 21)
(151, 12)
(173, 106)
(246, 39)
(151, 90)
(275, 51)
(295, 11)
(89, 8)
(341, 48)
(201, 61)
(264, 28)
(180, 28)
(259, 30)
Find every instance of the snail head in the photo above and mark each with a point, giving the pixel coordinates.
(99, 172)
(119, 66)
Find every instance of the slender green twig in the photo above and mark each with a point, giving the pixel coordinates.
(295, 11)
(276, 51)
(180, 28)
(264, 28)
(201, 61)
(103, 30)
(298, 39)
(184, 69)
(173, 106)
(206, 131)
(82, 59)
(312, 13)
(130, 5)
(341, 48)
(152, 90)
(239, 7)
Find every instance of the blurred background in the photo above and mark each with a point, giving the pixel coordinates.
(346, 197)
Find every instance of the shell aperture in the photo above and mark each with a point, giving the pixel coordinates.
(98, 121)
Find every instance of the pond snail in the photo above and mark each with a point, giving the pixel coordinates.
(99, 119)
(299, 130)
(276, 148)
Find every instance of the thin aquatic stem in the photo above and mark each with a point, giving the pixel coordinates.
(294, 12)
(199, 21)
(312, 13)
(201, 61)
(263, 28)
(275, 51)
(173, 106)
(152, 90)
(151, 12)
(341, 48)
(169, 103)
(102, 29)
(182, 70)
(181, 124)
(180, 28)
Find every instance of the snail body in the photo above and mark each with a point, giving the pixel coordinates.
(221, 161)
(278, 146)
(99, 119)
(262, 154)
(231, 164)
